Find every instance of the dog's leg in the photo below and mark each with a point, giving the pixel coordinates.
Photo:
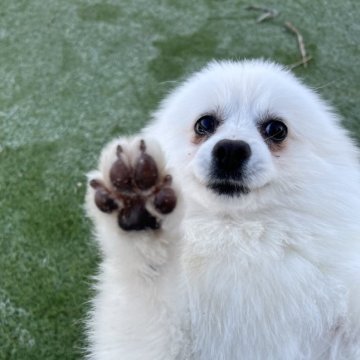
(137, 216)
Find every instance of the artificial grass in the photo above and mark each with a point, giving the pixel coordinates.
(74, 74)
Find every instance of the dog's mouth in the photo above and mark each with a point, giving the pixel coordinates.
(228, 188)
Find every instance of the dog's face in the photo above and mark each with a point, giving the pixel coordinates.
(246, 133)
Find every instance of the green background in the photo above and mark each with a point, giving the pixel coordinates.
(74, 74)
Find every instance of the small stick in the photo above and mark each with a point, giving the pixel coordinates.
(300, 40)
(268, 13)
(300, 62)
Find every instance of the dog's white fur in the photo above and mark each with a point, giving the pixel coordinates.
(273, 274)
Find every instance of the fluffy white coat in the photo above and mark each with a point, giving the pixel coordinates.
(273, 274)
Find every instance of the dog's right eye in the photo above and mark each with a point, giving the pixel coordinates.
(206, 125)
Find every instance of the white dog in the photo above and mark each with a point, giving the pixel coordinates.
(253, 251)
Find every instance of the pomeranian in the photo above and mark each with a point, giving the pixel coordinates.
(229, 227)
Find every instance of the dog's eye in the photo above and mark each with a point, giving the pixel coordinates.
(206, 125)
(274, 130)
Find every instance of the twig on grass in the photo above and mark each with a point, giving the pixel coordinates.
(267, 13)
(301, 44)
(300, 62)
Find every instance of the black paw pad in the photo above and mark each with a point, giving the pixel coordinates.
(165, 200)
(146, 173)
(103, 199)
(134, 216)
(120, 173)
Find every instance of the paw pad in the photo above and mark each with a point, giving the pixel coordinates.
(131, 188)
(146, 173)
(120, 174)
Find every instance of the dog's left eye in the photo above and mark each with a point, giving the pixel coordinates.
(206, 125)
(274, 130)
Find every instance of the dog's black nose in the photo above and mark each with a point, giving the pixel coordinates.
(230, 155)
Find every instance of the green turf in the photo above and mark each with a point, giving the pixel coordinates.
(74, 74)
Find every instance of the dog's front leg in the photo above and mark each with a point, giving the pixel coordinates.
(138, 310)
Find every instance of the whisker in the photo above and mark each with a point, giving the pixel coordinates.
(270, 137)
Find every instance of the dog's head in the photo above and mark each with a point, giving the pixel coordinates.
(248, 133)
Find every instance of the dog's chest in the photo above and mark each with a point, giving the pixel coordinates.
(254, 301)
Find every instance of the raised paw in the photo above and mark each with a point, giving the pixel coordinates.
(136, 190)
